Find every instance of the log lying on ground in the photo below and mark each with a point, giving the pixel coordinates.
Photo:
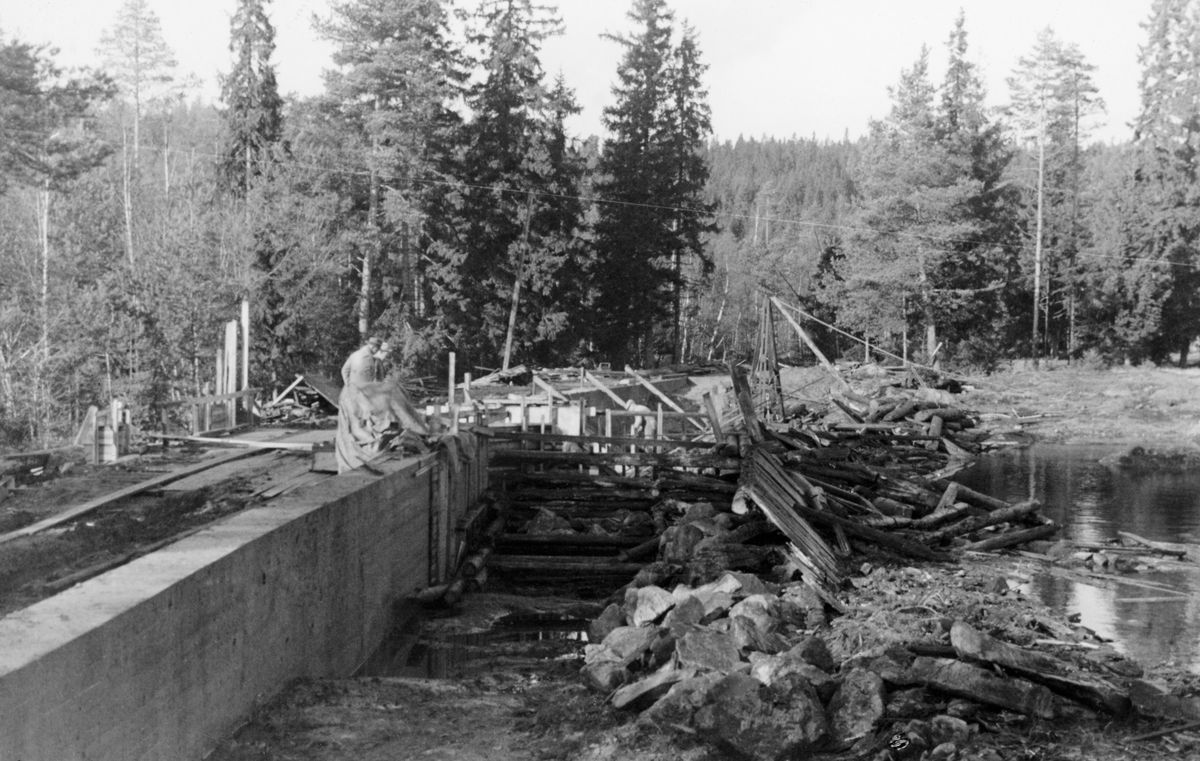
(893, 542)
(1045, 669)
(1014, 538)
(1007, 514)
(973, 683)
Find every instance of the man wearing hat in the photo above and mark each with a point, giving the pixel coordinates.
(360, 365)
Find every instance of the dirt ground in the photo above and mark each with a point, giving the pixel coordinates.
(526, 700)
(38, 566)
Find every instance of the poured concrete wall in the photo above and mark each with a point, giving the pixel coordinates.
(161, 658)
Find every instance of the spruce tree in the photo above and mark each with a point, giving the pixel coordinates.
(253, 109)
(933, 236)
(1162, 272)
(647, 184)
(399, 78)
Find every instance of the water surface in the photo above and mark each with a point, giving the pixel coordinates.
(1093, 502)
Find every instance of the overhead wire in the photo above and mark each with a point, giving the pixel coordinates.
(813, 225)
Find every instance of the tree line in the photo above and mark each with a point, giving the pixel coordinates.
(434, 196)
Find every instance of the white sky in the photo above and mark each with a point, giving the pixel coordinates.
(776, 67)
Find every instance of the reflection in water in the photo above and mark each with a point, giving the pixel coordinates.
(409, 651)
(1092, 502)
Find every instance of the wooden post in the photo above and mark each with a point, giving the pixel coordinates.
(662, 434)
(467, 400)
(246, 400)
(219, 380)
(451, 405)
(231, 371)
(713, 418)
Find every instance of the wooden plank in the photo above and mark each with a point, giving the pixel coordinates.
(129, 491)
(580, 540)
(713, 418)
(551, 390)
(550, 563)
(325, 388)
(295, 446)
(680, 459)
(598, 384)
(217, 398)
(285, 392)
(212, 476)
(746, 404)
(666, 399)
(561, 438)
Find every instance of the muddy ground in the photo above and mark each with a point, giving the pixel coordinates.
(38, 566)
(524, 698)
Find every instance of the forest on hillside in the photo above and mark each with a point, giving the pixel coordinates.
(433, 196)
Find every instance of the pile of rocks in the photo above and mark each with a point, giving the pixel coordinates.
(756, 669)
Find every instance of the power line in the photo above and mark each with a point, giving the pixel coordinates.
(459, 184)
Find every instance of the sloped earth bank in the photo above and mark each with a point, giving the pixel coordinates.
(533, 698)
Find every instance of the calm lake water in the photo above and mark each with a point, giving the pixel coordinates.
(1092, 502)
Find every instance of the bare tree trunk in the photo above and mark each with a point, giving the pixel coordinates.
(127, 194)
(1037, 250)
(517, 277)
(8, 398)
(42, 364)
(712, 341)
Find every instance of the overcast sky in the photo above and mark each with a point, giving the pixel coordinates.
(776, 67)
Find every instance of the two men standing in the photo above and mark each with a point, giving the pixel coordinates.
(367, 364)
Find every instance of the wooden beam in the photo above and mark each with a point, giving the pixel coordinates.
(295, 446)
(713, 418)
(666, 399)
(561, 438)
(680, 459)
(128, 491)
(286, 391)
(741, 390)
(551, 390)
(598, 384)
(811, 345)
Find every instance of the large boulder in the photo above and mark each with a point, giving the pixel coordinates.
(706, 650)
(762, 609)
(679, 543)
(814, 650)
(612, 617)
(857, 707)
(681, 702)
(745, 716)
(687, 612)
(769, 669)
(647, 604)
(606, 665)
(646, 691)
(749, 637)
